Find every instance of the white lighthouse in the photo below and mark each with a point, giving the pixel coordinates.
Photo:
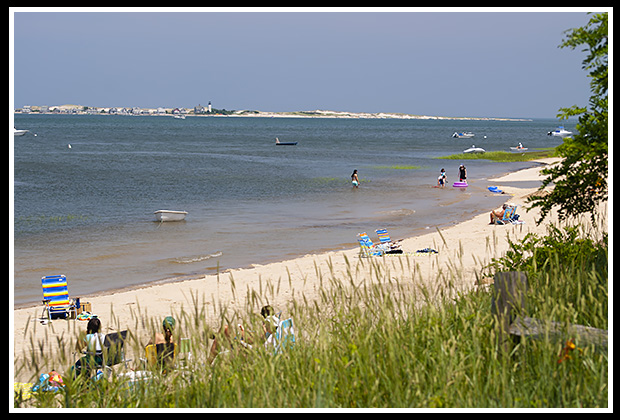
(209, 107)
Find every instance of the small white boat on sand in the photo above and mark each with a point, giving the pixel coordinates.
(463, 135)
(17, 132)
(169, 215)
(474, 149)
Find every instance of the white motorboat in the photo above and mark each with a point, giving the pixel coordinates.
(463, 135)
(560, 132)
(169, 215)
(474, 149)
(17, 132)
(179, 117)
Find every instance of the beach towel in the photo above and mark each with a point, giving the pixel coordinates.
(22, 390)
(426, 251)
(85, 316)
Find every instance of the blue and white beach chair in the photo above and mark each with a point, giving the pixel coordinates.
(384, 238)
(367, 248)
(510, 211)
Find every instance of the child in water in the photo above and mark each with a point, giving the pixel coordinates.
(442, 179)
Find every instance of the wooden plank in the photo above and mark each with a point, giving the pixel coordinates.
(538, 329)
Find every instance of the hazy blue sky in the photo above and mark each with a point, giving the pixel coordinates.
(497, 64)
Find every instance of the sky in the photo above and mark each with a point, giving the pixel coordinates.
(487, 63)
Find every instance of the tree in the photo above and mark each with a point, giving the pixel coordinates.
(581, 178)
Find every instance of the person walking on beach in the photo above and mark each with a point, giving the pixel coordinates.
(354, 180)
(462, 173)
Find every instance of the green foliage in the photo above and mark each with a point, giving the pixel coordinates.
(565, 270)
(581, 178)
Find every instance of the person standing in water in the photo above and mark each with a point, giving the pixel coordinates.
(442, 179)
(354, 180)
(462, 173)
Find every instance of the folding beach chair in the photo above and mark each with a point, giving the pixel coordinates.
(384, 238)
(513, 217)
(283, 338)
(161, 355)
(509, 213)
(56, 298)
(367, 248)
(114, 348)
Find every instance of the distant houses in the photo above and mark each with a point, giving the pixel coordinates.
(88, 110)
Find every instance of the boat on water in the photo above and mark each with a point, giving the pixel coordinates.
(18, 133)
(282, 143)
(560, 132)
(474, 149)
(179, 117)
(518, 149)
(463, 135)
(169, 215)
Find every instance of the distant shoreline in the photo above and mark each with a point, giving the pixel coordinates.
(170, 112)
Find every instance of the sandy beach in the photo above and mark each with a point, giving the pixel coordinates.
(463, 249)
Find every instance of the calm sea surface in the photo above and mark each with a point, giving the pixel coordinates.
(86, 211)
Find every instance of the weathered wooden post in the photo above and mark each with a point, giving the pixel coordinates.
(508, 302)
(509, 306)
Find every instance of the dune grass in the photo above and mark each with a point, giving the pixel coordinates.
(374, 340)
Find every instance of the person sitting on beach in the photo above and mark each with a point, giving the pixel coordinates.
(498, 214)
(270, 323)
(246, 339)
(93, 341)
(162, 356)
(165, 338)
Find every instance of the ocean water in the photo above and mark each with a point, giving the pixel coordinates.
(86, 211)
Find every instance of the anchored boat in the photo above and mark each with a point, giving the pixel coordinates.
(170, 215)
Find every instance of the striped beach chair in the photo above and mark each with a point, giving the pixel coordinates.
(509, 213)
(384, 238)
(56, 297)
(367, 248)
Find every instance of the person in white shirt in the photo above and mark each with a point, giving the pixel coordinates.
(93, 342)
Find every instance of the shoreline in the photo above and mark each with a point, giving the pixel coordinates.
(464, 248)
(318, 113)
(527, 174)
(181, 278)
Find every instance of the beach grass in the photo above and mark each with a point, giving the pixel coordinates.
(372, 339)
(502, 156)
